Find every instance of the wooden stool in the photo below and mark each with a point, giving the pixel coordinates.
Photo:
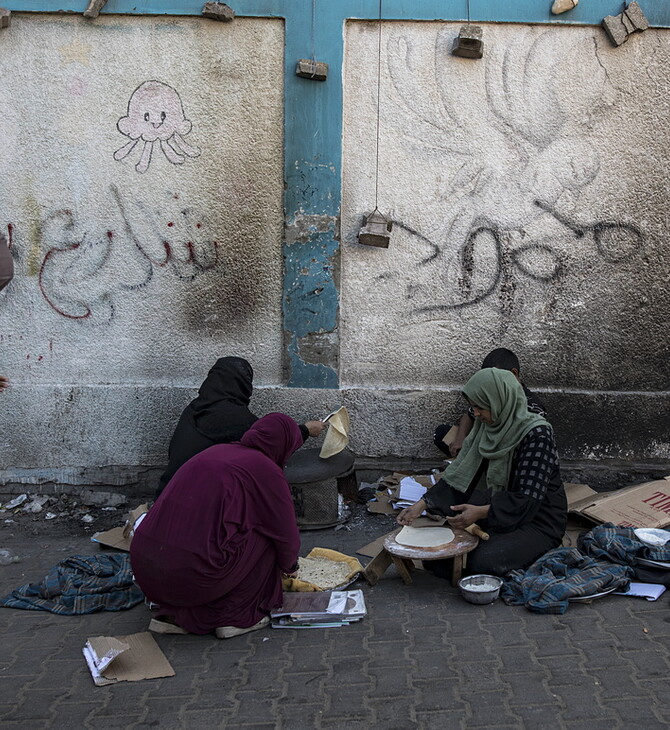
(402, 556)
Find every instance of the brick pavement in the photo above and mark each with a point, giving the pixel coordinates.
(423, 658)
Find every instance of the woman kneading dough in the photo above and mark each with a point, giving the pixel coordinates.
(506, 478)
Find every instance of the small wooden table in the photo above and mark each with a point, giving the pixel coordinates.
(402, 556)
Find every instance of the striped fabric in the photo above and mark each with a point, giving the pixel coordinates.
(603, 561)
(561, 574)
(80, 584)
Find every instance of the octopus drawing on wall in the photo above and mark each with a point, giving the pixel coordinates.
(155, 117)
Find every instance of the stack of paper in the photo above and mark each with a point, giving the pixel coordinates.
(321, 609)
(409, 492)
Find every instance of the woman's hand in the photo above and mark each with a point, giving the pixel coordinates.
(294, 574)
(315, 428)
(455, 448)
(470, 513)
(409, 514)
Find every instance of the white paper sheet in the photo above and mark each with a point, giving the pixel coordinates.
(410, 490)
(650, 591)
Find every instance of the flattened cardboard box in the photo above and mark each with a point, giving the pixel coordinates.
(643, 505)
(119, 538)
(113, 659)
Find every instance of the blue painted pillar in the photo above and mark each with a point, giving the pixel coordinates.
(312, 163)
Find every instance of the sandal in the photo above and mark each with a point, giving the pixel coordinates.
(227, 632)
(165, 625)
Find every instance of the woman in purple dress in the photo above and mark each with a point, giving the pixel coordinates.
(212, 549)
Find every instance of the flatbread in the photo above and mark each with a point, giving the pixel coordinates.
(337, 436)
(424, 537)
(322, 572)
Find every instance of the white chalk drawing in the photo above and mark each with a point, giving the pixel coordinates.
(515, 149)
(155, 115)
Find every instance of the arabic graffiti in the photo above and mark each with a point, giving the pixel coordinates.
(615, 242)
(82, 274)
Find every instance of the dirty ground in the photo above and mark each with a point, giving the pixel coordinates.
(422, 658)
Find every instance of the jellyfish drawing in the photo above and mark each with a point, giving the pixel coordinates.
(155, 115)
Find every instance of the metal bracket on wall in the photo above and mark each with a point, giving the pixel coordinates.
(309, 69)
(218, 11)
(94, 8)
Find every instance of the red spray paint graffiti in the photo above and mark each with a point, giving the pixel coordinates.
(82, 274)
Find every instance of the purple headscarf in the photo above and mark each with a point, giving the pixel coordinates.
(275, 435)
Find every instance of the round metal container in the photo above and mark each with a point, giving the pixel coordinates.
(314, 485)
(480, 588)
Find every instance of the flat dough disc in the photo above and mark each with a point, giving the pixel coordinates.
(423, 537)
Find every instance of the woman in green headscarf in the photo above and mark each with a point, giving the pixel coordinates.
(506, 477)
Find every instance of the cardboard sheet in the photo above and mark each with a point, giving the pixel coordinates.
(113, 659)
(119, 538)
(643, 505)
(450, 436)
(372, 549)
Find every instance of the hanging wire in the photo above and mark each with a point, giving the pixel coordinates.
(379, 84)
(313, 26)
(468, 12)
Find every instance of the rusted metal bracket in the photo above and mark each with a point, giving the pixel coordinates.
(94, 8)
(218, 11)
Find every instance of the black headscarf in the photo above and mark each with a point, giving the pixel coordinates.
(221, 410)
(218, 415)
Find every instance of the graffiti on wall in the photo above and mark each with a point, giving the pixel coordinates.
(515, 154)
(490, 257)
(155, 118)
(82, 274)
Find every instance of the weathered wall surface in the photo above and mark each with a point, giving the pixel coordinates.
(530, 202)
(141, 193)
(531, 206)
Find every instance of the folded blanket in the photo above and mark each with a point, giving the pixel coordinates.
(80, 584)
(561, 574)
(620, 545)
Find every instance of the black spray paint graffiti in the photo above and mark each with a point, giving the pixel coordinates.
(615, 242)
(506, 162)
(82, 275)
(155, 115)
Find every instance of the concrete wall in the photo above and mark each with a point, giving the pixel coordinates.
(530, 203)
(135, 268)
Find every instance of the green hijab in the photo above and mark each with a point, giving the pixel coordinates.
(501, 393)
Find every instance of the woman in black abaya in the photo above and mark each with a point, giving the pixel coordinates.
(219, 415)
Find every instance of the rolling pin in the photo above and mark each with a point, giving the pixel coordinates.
(477, 530)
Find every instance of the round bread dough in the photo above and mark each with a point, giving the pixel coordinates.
(424, 537)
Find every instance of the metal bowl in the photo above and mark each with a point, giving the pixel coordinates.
(480, 588)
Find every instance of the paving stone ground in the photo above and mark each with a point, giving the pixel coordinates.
(422, 658)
